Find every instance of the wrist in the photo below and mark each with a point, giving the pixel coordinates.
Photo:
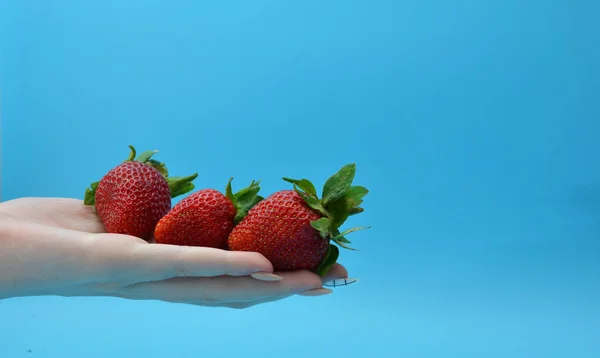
(23, 271)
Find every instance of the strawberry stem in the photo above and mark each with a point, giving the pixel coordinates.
(244, 199)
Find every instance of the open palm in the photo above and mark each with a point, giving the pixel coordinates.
(58, 246)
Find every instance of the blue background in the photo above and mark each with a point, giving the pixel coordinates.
(475, 125)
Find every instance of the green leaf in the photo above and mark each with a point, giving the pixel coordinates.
(329, 260)
(338, 184)
(253, 185)
(356, 210)
(145, 156)
(313, 203)
(323, 225)
(342, 241)
(244, 199)
(257, 199)
(90, 194)
(160, 166)
(240, 214)
(356, 193)
(182, 189)
(228, 191)
(353, 230)
(304, 185)
(132, 154)
(335, 234)
(339, 211)
(181, 185)
(247, 197)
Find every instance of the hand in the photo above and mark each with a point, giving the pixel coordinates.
(53, 246)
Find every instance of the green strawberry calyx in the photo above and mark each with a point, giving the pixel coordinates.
(339, 200)
(244, 199)
(177, 185)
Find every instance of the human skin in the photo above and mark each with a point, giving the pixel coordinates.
(58, 247)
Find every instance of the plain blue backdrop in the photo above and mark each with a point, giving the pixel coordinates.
(475, 125)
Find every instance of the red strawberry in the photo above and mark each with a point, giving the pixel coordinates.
(133, 196)
(293, 228)
(206, 217)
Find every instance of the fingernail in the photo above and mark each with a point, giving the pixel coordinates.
(265, 276)
(340, 282)
(316, 292)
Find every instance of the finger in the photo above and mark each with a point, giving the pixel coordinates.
(337, 277)
(337, 271)
(224, 289)
(154, 262)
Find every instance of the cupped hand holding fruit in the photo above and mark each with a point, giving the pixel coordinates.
(55, 246)
(292, 229)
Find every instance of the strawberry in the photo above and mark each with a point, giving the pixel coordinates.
(133, 196)
(206, 217)
(294, 228)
